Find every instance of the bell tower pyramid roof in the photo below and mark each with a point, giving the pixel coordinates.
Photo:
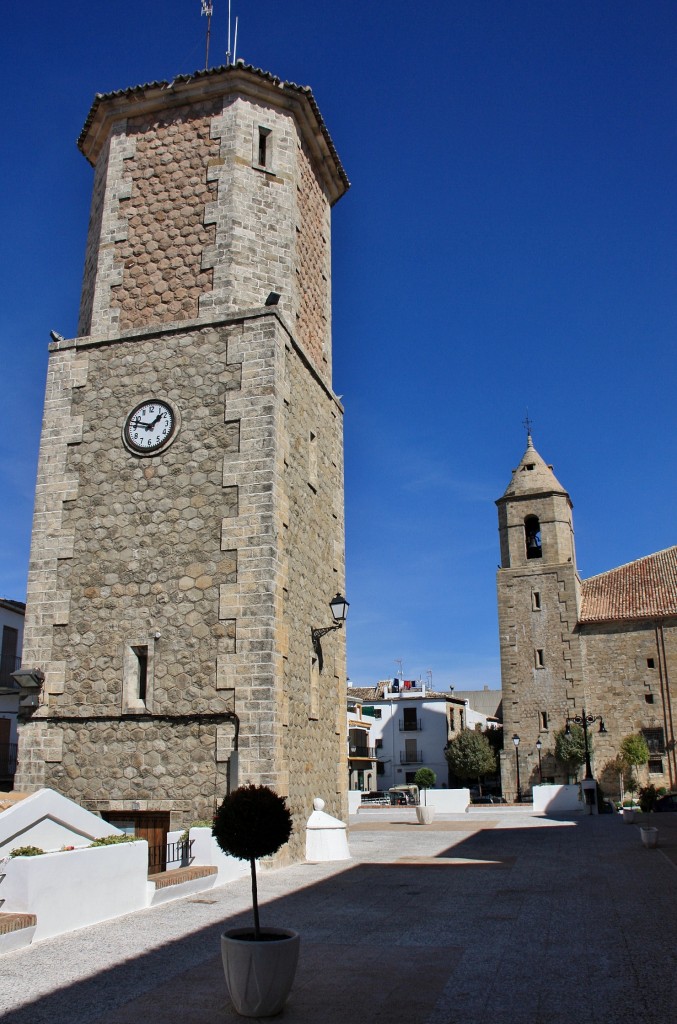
(532, 476)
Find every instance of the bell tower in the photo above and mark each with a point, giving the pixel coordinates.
(538, 603)
(188, 531)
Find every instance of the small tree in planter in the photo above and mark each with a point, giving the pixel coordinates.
(259, 965)
(425, 778)
(252, 822)
(570, 749)
(635, 751)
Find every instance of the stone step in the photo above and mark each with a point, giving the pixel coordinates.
(163, 879)
(15, 922)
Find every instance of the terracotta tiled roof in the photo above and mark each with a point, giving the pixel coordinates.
(365, 692)
(645, 589)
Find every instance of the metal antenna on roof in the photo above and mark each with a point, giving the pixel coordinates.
(235, 44)
(398, 661)
(208, 10)
(228, 50)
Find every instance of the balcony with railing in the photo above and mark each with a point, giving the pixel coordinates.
(356, 751)
(410, 725)
(411, 756)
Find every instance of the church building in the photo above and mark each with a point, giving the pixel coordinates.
(189, 530)
(605, 646)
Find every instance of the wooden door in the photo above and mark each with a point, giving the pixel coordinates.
(152, 826)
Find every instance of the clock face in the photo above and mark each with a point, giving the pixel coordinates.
(149, 427)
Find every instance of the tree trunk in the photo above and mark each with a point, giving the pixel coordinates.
(255, 901)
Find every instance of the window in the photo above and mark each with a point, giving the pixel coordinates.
(650, 663)
(378, 744)
(532, 537)
(536, 600)
(648, 697)
(141, 654)
(380, 768)
(378, 712)
(655, 738)
(410, 721)
(137, 675)
(544, 719)
(263, 147)
(655, 766)
(539, 657)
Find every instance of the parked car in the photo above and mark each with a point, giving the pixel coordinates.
(666, 803)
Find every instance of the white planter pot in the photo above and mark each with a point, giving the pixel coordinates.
(259, 975)
(629, 815)
(425, 814)
(649, 835)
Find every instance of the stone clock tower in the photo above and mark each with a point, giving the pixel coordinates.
(188, 530)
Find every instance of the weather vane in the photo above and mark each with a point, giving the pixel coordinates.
(208, 10)
(527, 424)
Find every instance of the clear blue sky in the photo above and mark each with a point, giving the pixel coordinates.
(509, 241)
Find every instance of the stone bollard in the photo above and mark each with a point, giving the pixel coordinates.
(326, 837)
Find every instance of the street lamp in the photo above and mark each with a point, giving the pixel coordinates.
(516, 741)
(585, 720)
(540, 767)
(339, 610)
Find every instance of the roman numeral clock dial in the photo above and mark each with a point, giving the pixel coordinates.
(150, 427)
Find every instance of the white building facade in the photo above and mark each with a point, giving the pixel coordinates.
(412, 725)
(12, 615)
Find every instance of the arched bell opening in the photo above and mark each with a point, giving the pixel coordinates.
(532, 537)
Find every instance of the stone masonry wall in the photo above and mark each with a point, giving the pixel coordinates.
(218, 555)
(162, 278)
(312, 266)
(619, 679)
(313, 538)
(528, 689)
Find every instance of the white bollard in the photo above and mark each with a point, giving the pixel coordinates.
(326, 837)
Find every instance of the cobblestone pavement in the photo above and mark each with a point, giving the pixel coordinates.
(495, 916)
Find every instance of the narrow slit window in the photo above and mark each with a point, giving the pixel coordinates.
(544, 720)
(141, 654)
(263, 154)
(536, 600)
(540, 658)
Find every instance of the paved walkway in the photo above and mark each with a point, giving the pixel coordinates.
(494, 917)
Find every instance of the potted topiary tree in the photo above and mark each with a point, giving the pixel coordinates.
(635, 752)
(259, 963)
(425, 779)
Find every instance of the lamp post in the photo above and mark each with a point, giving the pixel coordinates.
(540, 767)
(585, 720)
(516, 741)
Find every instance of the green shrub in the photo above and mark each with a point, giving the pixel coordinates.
(113, 840)
(26, 851)
(648, 795)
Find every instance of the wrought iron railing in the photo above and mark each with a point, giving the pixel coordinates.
(411, 726)
(357, 751)
(7, 759)
(180, 852)
(411, 757)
